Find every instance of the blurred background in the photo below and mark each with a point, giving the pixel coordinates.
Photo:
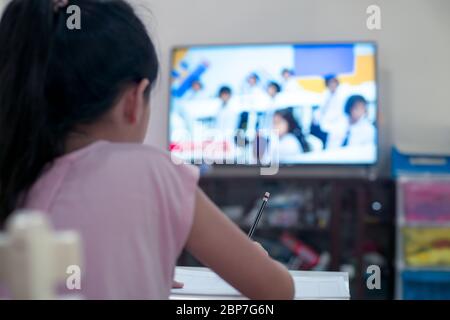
(413, 51)
(394, 213)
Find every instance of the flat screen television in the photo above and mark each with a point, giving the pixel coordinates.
(311, 103)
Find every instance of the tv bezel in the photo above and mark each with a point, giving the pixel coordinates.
(174, 48)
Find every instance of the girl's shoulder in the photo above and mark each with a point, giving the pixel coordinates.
(117, 159)
(111, 167)
(113, 152)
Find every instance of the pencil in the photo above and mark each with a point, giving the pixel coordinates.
(258, 216)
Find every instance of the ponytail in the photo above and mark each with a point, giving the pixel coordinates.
(52, 79)
(26, 141)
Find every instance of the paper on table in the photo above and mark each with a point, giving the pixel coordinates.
(320, 287)
(204, 282)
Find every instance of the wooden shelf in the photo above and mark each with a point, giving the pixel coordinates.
(348, 228)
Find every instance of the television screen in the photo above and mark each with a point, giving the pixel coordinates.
(291, 103)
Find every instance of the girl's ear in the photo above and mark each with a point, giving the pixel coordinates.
(135, 101)
(141, 88)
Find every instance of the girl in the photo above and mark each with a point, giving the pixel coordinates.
(291, 138)
(74, 109)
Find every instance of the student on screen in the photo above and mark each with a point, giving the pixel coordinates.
(74, 111)
(291, 138)
(196, 91)
(359, 130)
(330, 114)
(355, 129)
(288, 82)
(224, 95)
(227, 119)
(251, 83)
(273, 89)
(252, 86)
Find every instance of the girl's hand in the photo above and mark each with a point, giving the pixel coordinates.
(218, 243)
(177, 285)
(260, 247)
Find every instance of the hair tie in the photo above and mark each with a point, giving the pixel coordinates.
(58, 4)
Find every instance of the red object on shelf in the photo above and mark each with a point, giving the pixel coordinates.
(308, 256)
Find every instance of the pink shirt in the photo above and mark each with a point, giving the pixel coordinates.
(133, 208)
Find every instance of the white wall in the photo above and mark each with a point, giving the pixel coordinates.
(414, 53)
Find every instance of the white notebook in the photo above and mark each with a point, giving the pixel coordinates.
(202, 283)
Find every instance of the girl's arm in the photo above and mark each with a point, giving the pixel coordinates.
(218, 243)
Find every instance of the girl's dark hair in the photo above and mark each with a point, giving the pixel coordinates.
(224, 90)
(294, 127)
(351, 101)
(275, 85)
(53, 78)
(290, 71)
(328, 78)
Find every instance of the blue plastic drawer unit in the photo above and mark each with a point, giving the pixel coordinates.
(426, 285)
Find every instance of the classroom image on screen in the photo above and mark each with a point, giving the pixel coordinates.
(298, 103)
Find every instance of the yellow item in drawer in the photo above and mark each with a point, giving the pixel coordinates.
(427, 246)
